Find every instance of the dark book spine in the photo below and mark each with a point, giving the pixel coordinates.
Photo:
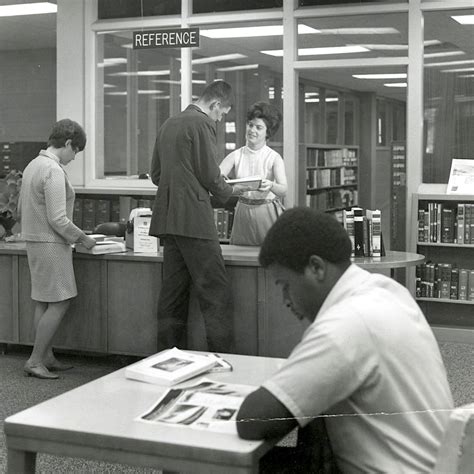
(358, 232)
(88, 217)
(454, 286)
(78, 212)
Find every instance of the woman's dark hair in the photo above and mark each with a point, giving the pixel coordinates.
(220, 90)
(67, 129)
(301, 232)
(268, 113)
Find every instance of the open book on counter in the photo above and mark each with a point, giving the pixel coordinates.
(173, 366)
(207, 405)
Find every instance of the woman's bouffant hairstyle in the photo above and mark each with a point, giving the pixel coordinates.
(268, 113)
(301, 232)
(64, 130)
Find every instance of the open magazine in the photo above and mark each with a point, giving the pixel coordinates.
(208, 405)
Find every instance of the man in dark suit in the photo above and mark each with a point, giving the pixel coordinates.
(185, 169)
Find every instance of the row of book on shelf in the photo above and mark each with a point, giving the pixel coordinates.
(446, 223)
(332, 199)
(336, 157)
(320, 178)
(364, 227)
(90, 212)
(444, 280)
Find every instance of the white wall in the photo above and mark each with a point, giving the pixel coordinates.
(27, 94)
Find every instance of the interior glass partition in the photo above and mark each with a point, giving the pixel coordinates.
(448, 91)
(233, 52)
(137, 90)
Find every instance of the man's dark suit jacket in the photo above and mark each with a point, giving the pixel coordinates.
(185, 169)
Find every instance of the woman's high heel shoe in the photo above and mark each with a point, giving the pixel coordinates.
(39, 371)
(57, 366)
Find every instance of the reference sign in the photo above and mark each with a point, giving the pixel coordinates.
(175, 38)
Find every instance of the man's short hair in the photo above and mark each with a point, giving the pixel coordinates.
(67, 129)
(218, 90)
(301, 232)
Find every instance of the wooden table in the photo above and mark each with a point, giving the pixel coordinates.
(96, 421)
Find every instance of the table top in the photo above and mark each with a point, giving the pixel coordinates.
(102, 413)
(239, 255)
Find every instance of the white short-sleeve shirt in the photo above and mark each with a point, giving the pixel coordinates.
(370, 363)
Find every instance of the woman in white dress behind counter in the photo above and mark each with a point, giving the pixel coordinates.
(256, 211)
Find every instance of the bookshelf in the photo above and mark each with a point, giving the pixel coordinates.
(444, 284)
(332, 176)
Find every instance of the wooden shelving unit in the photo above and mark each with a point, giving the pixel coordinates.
(451, 318)
(332, 176)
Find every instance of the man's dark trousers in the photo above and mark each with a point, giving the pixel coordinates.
(189, 261)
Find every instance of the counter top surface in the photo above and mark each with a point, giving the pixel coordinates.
(238, 255)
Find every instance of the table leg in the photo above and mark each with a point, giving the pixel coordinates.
(20, 461)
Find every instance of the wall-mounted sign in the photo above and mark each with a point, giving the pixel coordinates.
(174, 38)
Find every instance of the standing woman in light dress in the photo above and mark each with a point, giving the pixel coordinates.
(256, 211)
(46, 205)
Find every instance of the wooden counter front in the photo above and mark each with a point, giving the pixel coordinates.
(115, 310)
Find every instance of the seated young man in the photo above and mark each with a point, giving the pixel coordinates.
(368, 363)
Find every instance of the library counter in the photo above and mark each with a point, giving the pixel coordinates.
(115, 310)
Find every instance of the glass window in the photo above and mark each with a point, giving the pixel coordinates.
(448, 92)
(304, 3)
(108, 9)
(137, 90)
(234, 54)
(352, 37)
(209, 6)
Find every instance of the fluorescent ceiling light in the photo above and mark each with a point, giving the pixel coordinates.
(395, 84)
(401, 75)
(141, 73)
(149, 91)
(222, 57)
(28, 9)
(466, 69)
(112, 62)
(238, 68)
(431, 42)
(320, 51)
(359, 31)
(165, 81)
(316, 100)
(450, 63)
(108, 86)
(161, 97)
(386, 47)
(442, 54)
(464, 19)
(116, 93)
(466, 75)
(311, 94)
(254, 31)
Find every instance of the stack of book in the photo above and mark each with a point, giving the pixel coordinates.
(364, 228)
(446, 223)
(445, 281)
(173, 366)
(104, 245)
